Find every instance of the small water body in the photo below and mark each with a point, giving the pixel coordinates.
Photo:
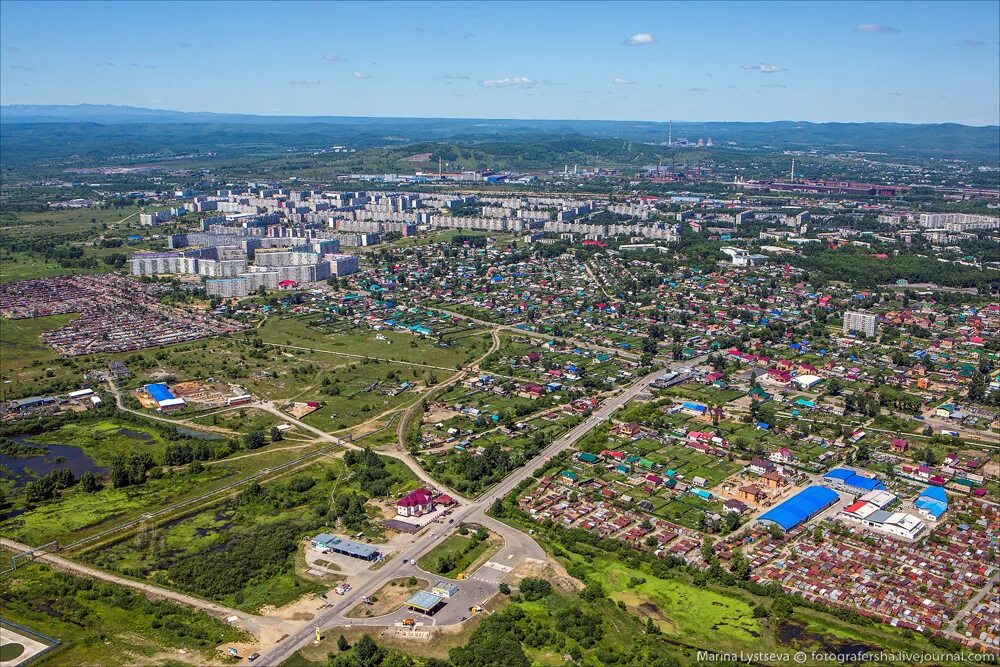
(23, 469)
(851, 651)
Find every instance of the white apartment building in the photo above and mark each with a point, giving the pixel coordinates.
(866, 323)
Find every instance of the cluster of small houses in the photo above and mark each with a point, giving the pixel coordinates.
(117, 314)
(882, 578)
(556, 503)
(918, 585)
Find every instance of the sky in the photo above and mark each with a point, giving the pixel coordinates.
(915, 62)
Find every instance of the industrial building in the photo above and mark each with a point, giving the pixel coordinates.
(327, 543)
(163, 397)
(801, 507)
(848, 480)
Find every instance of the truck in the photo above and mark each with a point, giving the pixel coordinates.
(409, 622)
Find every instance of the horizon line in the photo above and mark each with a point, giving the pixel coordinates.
(576, 120)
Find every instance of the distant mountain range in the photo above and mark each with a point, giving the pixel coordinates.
(139, 129)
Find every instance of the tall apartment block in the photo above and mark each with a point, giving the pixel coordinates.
(866, 323)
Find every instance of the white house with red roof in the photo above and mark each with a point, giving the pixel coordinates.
(415, 503)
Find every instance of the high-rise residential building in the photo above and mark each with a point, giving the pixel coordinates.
(866, 323)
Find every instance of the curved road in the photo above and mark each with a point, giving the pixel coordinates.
(516, 542)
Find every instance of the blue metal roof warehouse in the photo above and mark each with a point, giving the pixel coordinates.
(159, 392)
(933, 502)
(844, 477)
(804, 505)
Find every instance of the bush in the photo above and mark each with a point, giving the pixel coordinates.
(534, 588)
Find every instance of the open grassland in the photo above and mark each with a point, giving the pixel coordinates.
(243, 420)
(100, 623)
(459, 344)
(246, 551)
(76, 514)
(29, 365)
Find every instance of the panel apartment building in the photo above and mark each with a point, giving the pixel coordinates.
(866, 323)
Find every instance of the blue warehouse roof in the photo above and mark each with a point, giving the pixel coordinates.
(854, 480)
(159, 392)
(804, 505)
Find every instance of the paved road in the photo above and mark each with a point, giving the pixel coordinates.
(971, 604)
(516, 543)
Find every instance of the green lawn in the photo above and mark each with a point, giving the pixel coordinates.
(464, 344)
(456, 546)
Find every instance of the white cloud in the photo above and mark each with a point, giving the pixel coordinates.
(508, 82)
(875, 27)
(333, 58)
(456, 77)
(697, 90)
(974, 42)
(360, 75)
(640, 39)
(618, 81)
(763, 68)
(306, 82)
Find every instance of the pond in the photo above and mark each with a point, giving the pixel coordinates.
(24, 469)
(850, 651)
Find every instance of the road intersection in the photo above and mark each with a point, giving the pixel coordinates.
(517, 545)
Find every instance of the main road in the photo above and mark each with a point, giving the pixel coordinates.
(516, 542)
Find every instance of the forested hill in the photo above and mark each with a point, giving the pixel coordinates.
(147, 129)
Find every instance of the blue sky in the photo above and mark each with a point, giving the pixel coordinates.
(894, 61)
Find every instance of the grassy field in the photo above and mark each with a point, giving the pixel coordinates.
(457, 548)
(29, 365)
(243, 421)
(261, 528)
(77, 514)
(335, 335)
(103, 624)
(104, 439)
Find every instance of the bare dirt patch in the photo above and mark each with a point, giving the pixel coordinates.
(551, 570)
(389, 598)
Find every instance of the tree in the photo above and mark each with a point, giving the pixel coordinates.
(254, 440)
(706, 549)
(497, 509)
(276, 434)
(782, 608)
(504, 588)
(445, 564)
(342, 643)
(89, 482)
(534, 588)
(367, 653)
